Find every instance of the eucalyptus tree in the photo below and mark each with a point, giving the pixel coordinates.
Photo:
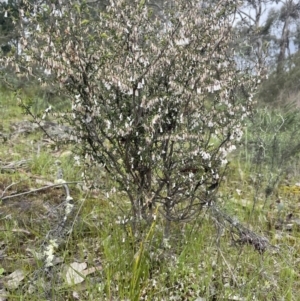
(289, 16)
(154, 101)
(267, 31)
(255, 20)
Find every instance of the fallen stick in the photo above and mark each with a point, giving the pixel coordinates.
(246, 236)
(36, 190)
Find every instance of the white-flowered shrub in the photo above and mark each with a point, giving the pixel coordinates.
(154, 97)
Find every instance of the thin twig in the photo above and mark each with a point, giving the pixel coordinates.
(36, 190)
(228, 266)
(6, 188)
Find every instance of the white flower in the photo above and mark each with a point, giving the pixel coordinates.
(231, 148)
(48, 109)
(77, 160)
(48, 72)
(217, 87)
(88, 119)
(107, 85)
(224, 162)
(191, 175)
(49, 252)
(108, 124)
(210, 124)
(182, 42)
(204, 155)
(69, 206)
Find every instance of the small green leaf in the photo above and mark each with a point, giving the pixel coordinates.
(142, 3)
(77, 7)
(84, 22)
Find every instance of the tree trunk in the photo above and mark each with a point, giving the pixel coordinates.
(284, 44)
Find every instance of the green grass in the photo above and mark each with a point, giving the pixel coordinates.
(202, 259)
(9, 109)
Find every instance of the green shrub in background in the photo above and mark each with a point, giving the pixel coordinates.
(33, 94)
(271, 147)
(284, 86)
